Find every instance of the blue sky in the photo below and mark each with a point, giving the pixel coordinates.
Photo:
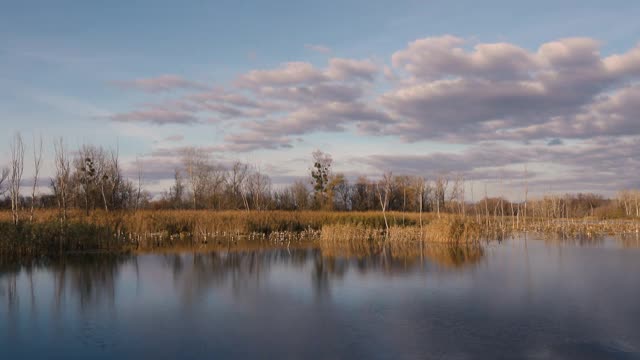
(99, 72)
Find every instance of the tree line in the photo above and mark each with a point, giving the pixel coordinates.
(91, 177)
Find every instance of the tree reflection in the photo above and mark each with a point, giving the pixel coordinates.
(91, 280)
(88, 279)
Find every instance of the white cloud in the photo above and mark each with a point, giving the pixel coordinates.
(318, 48)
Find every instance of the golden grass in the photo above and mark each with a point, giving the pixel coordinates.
(447, 229)
(354, 231)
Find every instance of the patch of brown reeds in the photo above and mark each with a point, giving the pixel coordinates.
(447, 229)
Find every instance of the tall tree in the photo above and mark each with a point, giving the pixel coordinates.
(17, 167)
(37, 161)
(62, 178)
(320, 175)
(4, 177)
(384, 188)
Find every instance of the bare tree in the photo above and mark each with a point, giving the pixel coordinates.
(113, 174)
(419, 189)
(235, 184)
(37, 161)
(526, 194)
(139, 168)
(259, 188)
(205, 178)
(4, 176)
(17, 167)
(90, 173)
(62, 178)
(176, 193)
(383, 188)
(191, 160)
(441, 184)
(456, 197)
(321, 174)
(339, 192)
(300, 195)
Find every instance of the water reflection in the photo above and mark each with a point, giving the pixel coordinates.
(525, 298)
(90, 280)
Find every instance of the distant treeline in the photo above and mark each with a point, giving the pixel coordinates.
(91, 177)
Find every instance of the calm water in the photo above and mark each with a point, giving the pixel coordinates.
(516, 299)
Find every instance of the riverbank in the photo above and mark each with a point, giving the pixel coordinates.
(147, 230)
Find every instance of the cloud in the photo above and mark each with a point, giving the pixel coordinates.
(602, 164)
(555, 142)
(174, 138)
(156, 116)
(153, 169)
(351, 69)
(162, 83)
(318, 48)
(330, 116)
(327, 92)
(441, 57)
(254, 140)
(500, 91)
(441, 89)
(614, 114)
(287, 74)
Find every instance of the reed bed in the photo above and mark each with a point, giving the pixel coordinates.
(449, 229)
(354, 231)
(448, 255)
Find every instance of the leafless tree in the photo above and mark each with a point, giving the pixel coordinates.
(419, 187)
(340, 189)
(300, 195)
(176, 193)
(90, 173)
(62, 178)
(37, 162)
(235, 184)
(440, 190)
(456, 197)
(321, 175)
(17, 167)
(112, 173)
(140, 176)
(259, 187)
(383, 188)
(526, 194)
(205, 178)
(4, 177)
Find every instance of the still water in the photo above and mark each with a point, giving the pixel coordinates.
(516, 299)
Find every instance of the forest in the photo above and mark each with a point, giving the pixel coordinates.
(91, 177)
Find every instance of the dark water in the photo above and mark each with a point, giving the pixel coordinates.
(516, 299)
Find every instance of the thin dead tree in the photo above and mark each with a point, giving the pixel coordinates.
(383, 188)
(37, 162)
(259, 188)
(457, 196)
(513, 217)
(236, 183)
(139, 168)
(441, 184)
(486, 205)
(473, 204)
(62, 177)
(526, 195)
(196, 166)
(419, 185)
(17, 167)
(4, 176)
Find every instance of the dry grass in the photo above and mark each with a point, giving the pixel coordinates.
(359, 232)
(447, 229)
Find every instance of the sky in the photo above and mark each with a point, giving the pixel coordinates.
(480, 90)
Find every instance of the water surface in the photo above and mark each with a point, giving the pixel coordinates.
(516, 299)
